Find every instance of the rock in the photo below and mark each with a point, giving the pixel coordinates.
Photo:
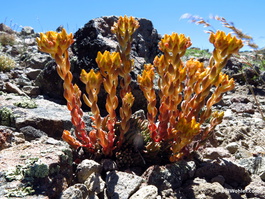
(96, 36)
(220, 179)
(215, 153)
(33, 73)
(121, 185)
(77, 191)
(108, 165)
(27, 30)
(234, 174)
(6, 28)
(50, 82)
(242, 108)
(169, 176)
(202, 189)
(37, 60)
(94, 183)
(23, 81)
(12, 88)
(146, 192)
(232, 147)
(44, 115)
(86, 168)
(32, 91)
(255, 165)
(256, 188)
(42, 168)
(31, 133)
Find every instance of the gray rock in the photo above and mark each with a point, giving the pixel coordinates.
(242, 108)
(30, 133)
(121, 185)
(12, 88)
(27, 30)
(32, 91)
(234, 174)
(47, 114)
(146, 192)
(94, 183)
(200, 188)
(37, 60)
(255, 165)
(256, 188)
(169, 176)
(36, 164)
(215, 152)
(77, 191)
(232, 147)
(49, 81)
(86, 168)
(33, 73)
(6, 28)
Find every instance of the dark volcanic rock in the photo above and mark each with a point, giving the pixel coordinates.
(96, 36)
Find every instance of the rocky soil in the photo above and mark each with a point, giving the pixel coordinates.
(36, 163)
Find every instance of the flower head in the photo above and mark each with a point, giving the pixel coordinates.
(54, 43)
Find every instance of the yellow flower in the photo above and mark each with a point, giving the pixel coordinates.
(92, 79)
(54, 43)
(125, 26)
(225, 43)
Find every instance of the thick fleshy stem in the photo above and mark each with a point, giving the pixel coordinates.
(124, 29)
(57, 45)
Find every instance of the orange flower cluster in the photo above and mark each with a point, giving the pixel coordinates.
(187, 91)
(57, 45)
(111, 65)
(184, 90)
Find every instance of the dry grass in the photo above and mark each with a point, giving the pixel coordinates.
(6, 63)
(7, 39)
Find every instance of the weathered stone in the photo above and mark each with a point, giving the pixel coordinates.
(37, 60)
(108, 165)
(94, 183)
(77, 191)
(33, 73)
(12, 88)
(121, 185)
(243, 108)
(32, 91)
(255, 165)
(146, 192)
(6, 28)
(232, 147)
(234, 175)
(50, 82)
(44, 168)
(169, 176)
(215, 152)
(87, 168)
(220, 179)
(47, 114)
(256, 188)
(27, 30)
(31, 133)
(202, 189)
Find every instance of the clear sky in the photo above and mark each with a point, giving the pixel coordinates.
(46, 15)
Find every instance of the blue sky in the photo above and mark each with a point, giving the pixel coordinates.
(47, 15)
